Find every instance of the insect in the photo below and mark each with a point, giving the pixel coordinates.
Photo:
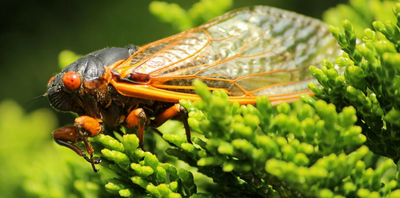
(246, 53)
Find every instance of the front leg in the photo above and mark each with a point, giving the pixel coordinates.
(85, 127)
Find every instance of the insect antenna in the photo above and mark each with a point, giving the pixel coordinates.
(37, 97)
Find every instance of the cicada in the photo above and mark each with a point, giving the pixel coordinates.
(246, 53)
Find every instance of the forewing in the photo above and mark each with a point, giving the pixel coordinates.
(248, 52)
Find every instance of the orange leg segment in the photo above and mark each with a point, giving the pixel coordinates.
(67, 136)
(138, 118)
(85, 127)
(171, 112)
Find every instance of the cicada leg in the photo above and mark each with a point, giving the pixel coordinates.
(137, 118)
(85, 127)
(171, 112)
(67, 136)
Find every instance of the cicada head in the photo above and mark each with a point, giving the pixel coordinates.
(67, 91)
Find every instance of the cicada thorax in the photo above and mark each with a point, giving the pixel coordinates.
(116, 108)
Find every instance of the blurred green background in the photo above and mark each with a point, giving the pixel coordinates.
(32, 34)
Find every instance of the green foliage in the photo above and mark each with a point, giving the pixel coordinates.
(299, 150)
(361, 12)
(199, 13)
(370, 82)
(140, 172)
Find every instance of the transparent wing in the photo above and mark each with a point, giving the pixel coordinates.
(248, 52)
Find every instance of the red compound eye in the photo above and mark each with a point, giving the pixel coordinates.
(50, 80)
(71, 80)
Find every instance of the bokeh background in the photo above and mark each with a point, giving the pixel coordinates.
(32, 34)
